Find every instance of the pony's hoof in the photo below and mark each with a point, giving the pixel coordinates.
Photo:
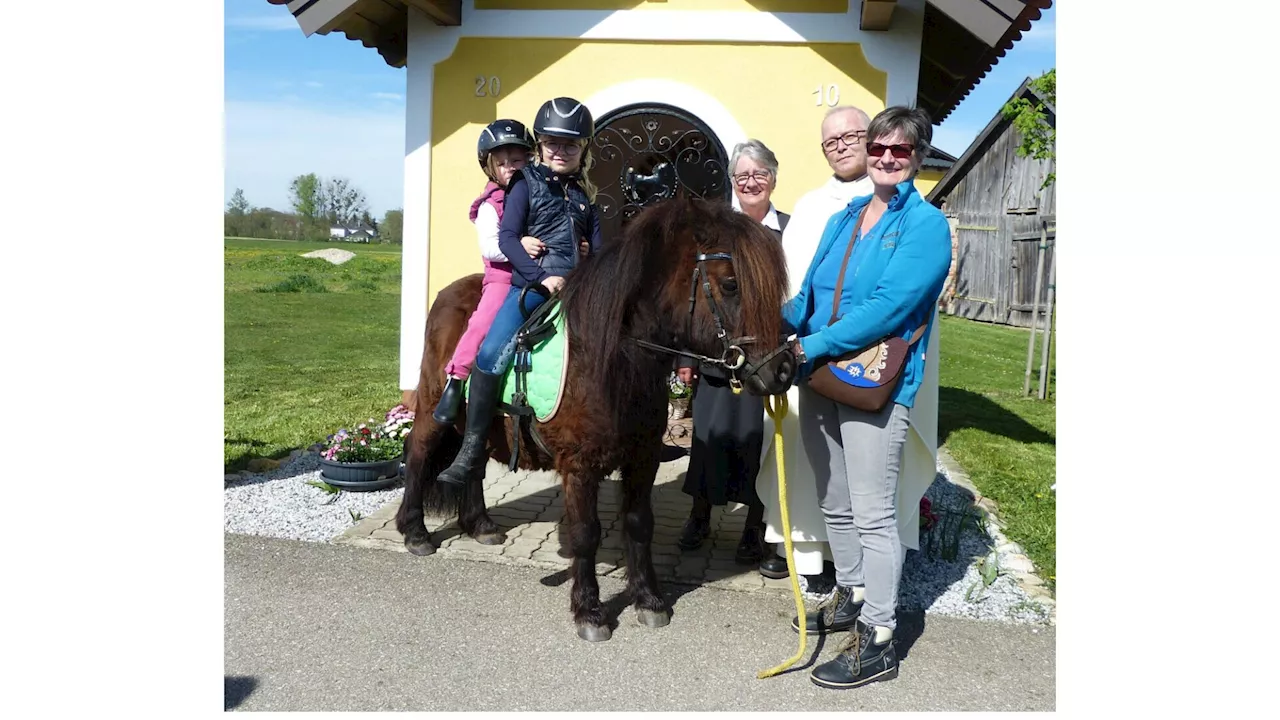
(421, 547)
(653, 618)
(594, 633)
(492, 538)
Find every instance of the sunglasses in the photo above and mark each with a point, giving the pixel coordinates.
(901, 152)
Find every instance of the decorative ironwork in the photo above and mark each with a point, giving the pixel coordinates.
(644, 154)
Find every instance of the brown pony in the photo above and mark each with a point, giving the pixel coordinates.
(621, 305)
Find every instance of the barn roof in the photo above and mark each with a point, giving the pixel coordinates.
(984, 140)
(962, 39)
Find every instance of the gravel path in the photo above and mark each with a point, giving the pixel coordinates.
(280, 504)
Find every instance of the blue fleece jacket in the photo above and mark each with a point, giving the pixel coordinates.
(895, 276)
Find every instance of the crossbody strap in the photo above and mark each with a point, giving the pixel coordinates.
(853, 240)
(835, 303)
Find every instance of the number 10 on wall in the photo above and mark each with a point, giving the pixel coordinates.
(831, 97)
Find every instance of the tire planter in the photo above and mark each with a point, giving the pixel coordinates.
(360, 476)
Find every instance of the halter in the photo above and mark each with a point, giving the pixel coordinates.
(732, 358)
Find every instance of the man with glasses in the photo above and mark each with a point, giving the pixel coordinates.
(844, 131)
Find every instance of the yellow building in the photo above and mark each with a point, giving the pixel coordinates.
(686, 78)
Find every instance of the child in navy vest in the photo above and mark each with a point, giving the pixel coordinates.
(551, 201)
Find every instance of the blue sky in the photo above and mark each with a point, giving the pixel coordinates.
(331, 106)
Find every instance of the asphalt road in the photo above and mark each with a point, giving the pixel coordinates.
(322, 627)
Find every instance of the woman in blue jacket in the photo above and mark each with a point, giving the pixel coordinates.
(550, 200)
(900, 257)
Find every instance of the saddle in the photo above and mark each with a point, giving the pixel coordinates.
(528, 394)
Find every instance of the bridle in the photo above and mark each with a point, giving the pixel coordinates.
(732, 358)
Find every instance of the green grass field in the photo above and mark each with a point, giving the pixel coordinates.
(312, 347)
(301, 364)
(1004, 441)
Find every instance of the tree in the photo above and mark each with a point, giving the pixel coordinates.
(392, 228)
(1039, 138)
(234, 221)
(304, 195)
(238, 207)
(341, 202)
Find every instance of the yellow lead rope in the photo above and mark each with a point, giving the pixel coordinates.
(778, 411)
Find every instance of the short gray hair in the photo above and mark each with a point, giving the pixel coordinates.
(757, 151)
(915, 124)
(866, 119)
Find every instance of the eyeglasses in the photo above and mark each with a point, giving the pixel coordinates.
(760, 176)
(567, 147)
(849, 139)
(902, 151)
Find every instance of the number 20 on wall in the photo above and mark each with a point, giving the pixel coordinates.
(831, 97)
(488, 86)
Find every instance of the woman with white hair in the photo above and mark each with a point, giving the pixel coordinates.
(728, 428)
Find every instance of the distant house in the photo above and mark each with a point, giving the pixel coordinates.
(999, 215)
(361, 233)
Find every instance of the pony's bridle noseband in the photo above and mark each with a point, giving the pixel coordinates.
(733, 358)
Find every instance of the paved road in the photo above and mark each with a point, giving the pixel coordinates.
(325, 627)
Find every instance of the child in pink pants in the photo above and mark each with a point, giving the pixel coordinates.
(505, 146)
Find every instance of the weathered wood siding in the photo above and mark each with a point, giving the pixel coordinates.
(999, 199)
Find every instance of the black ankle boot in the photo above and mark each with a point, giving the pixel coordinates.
(481, 401)
(450, 400)
(861, 662)
(837, 614)
(775, 567)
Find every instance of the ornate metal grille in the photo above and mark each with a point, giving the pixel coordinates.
(644, 154)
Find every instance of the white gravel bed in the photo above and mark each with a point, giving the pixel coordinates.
(280, 503)
(956, 588)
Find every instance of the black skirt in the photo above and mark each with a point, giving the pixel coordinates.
(728, 437)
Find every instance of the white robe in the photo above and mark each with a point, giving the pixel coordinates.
(808, 528)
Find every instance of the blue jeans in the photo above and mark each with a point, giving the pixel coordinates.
(500, 343)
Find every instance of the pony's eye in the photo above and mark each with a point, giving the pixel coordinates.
(729, 285)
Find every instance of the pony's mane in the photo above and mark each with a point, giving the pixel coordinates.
(637, 285)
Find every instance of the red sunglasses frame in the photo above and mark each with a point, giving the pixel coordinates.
(901, 151)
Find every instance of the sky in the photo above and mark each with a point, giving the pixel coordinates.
(329, 105)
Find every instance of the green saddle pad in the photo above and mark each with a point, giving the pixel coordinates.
(546, 381)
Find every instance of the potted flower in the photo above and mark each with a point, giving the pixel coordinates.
(367, 458)
(678, 397)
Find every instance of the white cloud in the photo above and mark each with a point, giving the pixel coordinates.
(387, 96)
(282, 21)
(313, 84)
(270, 143)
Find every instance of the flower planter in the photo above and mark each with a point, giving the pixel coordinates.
(360, 476)
(677, 408)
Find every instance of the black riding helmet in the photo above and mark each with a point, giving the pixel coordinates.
(564, 117)
(499, 133)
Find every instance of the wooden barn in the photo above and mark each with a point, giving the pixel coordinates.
(710, 73)
(1000, 217)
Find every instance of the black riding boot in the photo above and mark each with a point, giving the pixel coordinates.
(862, 661)
(481, 401)
(450, 400)
(838, 614)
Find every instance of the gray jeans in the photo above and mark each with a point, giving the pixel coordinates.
(863, 452)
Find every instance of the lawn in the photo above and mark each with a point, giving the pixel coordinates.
(1004, 441)
(318, 353)
(321, 351)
